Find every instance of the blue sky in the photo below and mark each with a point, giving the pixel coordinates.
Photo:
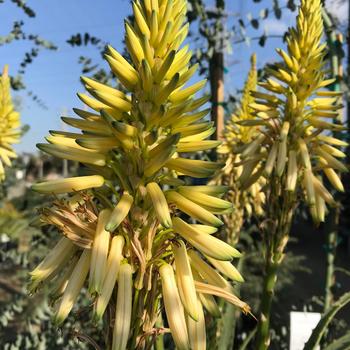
(54, 75)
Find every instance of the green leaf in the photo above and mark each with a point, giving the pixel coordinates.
(262, 40)
(326, 319)
(255, 23)
(277, 9)
(291, 5)
(340, 344)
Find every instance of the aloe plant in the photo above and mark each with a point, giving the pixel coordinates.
(134, 231)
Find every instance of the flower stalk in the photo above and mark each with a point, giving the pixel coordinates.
(293, 149)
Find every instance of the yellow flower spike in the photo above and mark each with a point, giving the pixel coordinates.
(113, 264)
(160, 204)
(196, 330)
(73, 288)
(242, 132)
(298, 109)
(123, 309)
(173, 308)
(185, 280)
(120, 212)
(99, 253)
(9, 124)
(135, 146)
(72, 184)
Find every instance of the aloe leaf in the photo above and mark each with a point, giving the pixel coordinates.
(326, 319)
(341, 343)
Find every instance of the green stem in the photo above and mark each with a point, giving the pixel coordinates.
(135, 320)
(159, 345)
(279, 217)
(331, 248)
(263, 335)
(247, 340)
(227, 324)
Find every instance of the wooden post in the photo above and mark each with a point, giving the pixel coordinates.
(216, 72)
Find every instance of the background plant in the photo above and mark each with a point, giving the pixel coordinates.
(291, 148)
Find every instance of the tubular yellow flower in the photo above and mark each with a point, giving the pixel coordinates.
(206, 271)
(207, 244)
(120, 212)
(72, 184)
(227, 269)
(185, 281)
(54, 261)
(173, 307)
(113, 264)
(159, 203)
(123, 309)
(135, 145)
(9, 124)
(196, 330)
(73, 288)
(99, 252)
(293, 113)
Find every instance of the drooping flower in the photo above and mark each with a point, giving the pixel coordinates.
(9, 124)
(296, 118)
(236, 134)
(137, 149)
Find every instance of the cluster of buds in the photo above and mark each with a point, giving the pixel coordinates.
(9, 124)
(294, 141)
(136, 232)
(247, 198)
